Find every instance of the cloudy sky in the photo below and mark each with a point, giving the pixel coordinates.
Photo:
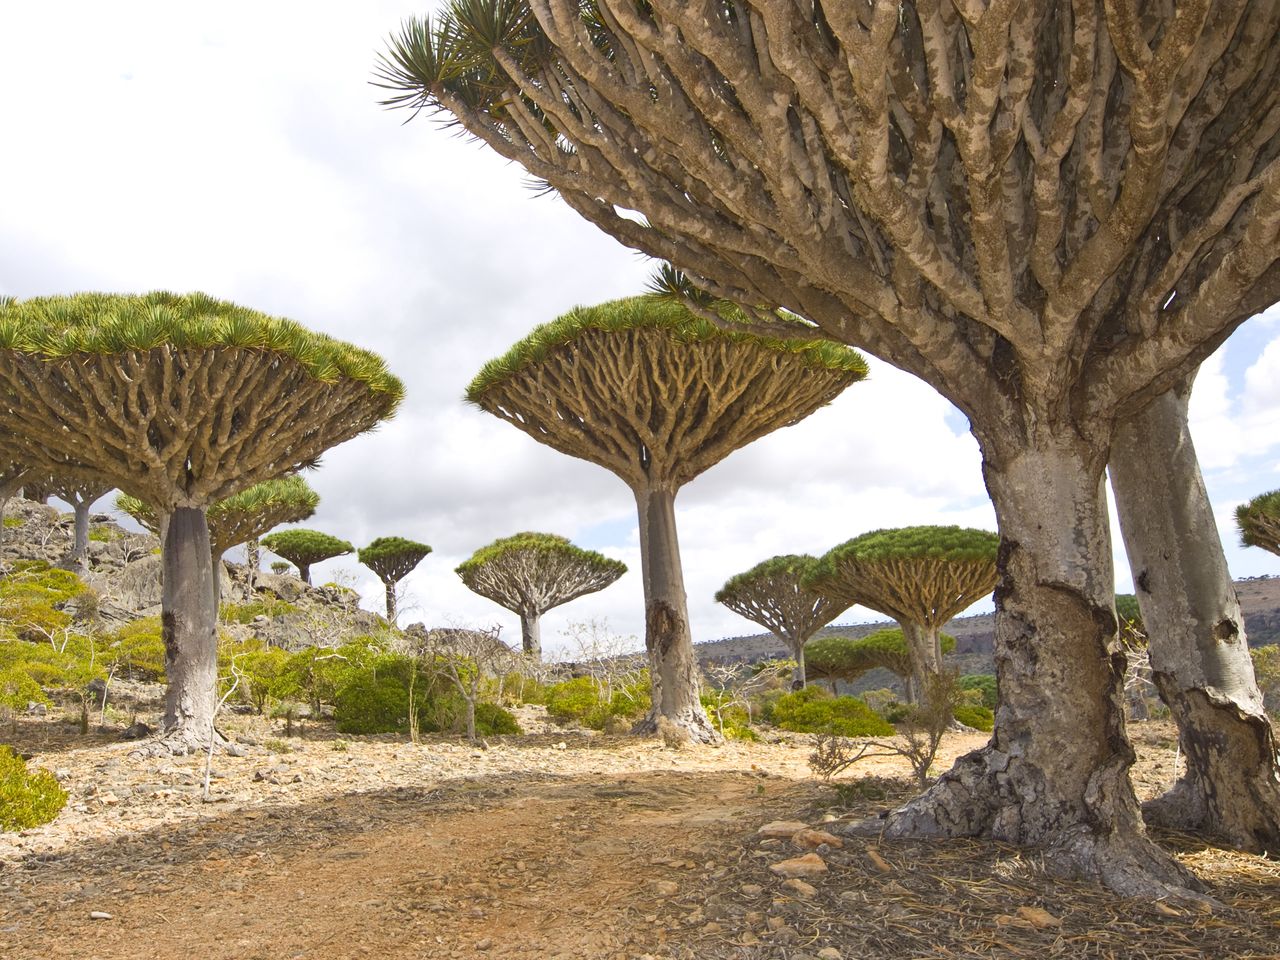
(238, 148)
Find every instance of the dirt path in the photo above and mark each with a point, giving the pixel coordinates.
(563, 868)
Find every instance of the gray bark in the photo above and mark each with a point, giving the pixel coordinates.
(531, 634)
(215, 566)
(252, 562)
(673, 669)
(1055, 773)
(4, 502)
(189, 626)
(80, 547)
(1199, 654)
(390, 590)
(797, 651)
(304, 572)
(925, 656)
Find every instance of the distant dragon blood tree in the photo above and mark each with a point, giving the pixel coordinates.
(81, 492)
(12, 477)
(920, 576)
(1259, 522)
(772, 594)
(239, 518)
(529, 573)
(845, 658)
(392, 559)
(302, 548)
(657, 395)
(181, 401)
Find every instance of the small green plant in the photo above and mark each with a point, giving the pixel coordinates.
(980, 718)
(340, 746)
(101, 533)
(277, 746)
(17, 689)
(813, 710)
(586, 701)
(27, 798)
(984, 683)
(12, 523)
(245, 612)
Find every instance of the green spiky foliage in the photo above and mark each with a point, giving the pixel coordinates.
(243, 516)
(180, 400)
(844, 658)
(1259, 522)
(773, 594)
(919, 576)
(392, 559)
(530, 573)
(303, 548)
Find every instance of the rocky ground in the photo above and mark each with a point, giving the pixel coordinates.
(558, 845)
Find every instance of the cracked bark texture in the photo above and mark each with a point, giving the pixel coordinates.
(773, 595)
(1051, 212)
(531, 573)
(656, 396)
(1195, 633)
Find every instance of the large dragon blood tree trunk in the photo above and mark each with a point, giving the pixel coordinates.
(531, 633)
(1199, 655)
(189, 621)
(1055, 773)
(673, 667)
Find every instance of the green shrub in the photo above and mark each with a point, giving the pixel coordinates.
(813, 710)
(980, 718)
(17, 689)
(32, 597)
(372, 702)
(492, 720)
(731, 719)
(245, 612)
(27, 799)
(375, 699)
(582, 700)
(984, 683)
(137, 650)
(101, 533)
(12, 523)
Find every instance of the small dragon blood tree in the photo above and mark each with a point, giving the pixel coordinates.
(845, 658)
(302, 548)
(1259, 522)
(392, 559)
(772, 594)
(13, 477)
(529, 573)
(181, 400)
(657, 395)
(920, 576)
(81, 492)
(241, 517)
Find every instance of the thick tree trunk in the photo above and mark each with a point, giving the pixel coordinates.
(390, 589)
(189, 627)
(1195, 631)
(925, 660)
(216, 568)
(80, 546)
(1055, 774)
(252, 563)
(799, 681)
(531, 634)
(673, 668)
(304, 572)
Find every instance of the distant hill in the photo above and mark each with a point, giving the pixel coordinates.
(1259, 599)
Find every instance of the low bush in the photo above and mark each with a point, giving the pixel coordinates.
(27, 798)
(980, 718)
(493, 720)
(375, 699)
(587, 701)
(813, 710)
(245, 612)
(17, 689)
(984, 684)
(137, 650)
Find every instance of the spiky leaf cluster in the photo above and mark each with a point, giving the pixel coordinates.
(773, 595)
(242, 516)
(530, 573)
(1259, 522)
(179, 399)
(652, 392)
(844, 658)
(923, 575)
(392, 558)
(305, 547)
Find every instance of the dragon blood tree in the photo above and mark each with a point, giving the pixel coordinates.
(529, 573)
(13, 475)
(1259, 522)
(845, 658)
(1050, 212)
(238, 518)
(920, 576)
(392, 559)
(772, 595)
(81, 492)
(657, 395)
(181, 401)
(302, 548)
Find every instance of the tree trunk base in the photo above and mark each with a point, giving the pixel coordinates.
(974, 800)
(186, 740)
(691, 727)
(1230, 791)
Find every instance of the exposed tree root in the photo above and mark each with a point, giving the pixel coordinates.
(185, 740)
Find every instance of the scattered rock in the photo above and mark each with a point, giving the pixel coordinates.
(829, 953)
(810, 839)
(799, 888)
(752, 890)
(100, 915)
(810, 865)
(881, 863)
(781, 829)
(136, 731)
(666, 888)
(1038, 917)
